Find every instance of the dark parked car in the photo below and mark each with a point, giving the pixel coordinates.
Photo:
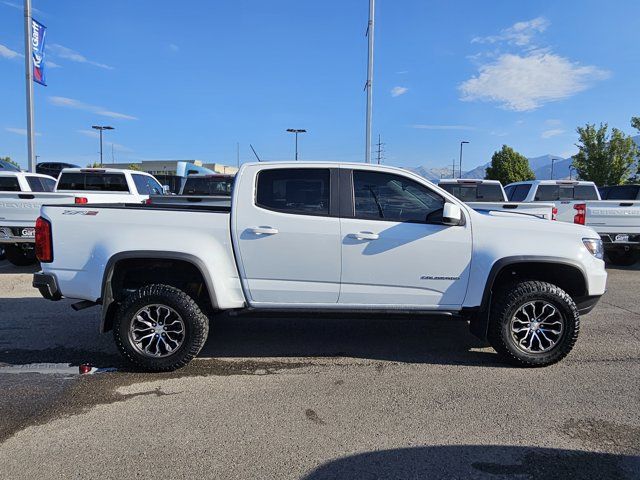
(8, 167)
(620, 192)
(53, 168)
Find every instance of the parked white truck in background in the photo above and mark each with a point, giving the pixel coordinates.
(616, 221)
(317, 237)
(489, 195)
(22, 195)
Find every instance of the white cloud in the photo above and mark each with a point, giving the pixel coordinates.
(526, 82)
(554, 132)
(20, 131)
(402, 72)
(173, 47)
(68, 54)
(526, 77)
(6, 52)
(443, 127)
(116, 146)
(520, 33)
(78, 105)
(50, 64)
(397, 91)
(552, 122)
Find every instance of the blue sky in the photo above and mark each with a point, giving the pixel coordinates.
(188, 80)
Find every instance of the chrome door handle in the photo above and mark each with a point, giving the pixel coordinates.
(364, 236)
(263, 230)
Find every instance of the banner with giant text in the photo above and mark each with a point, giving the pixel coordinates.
(38, 32)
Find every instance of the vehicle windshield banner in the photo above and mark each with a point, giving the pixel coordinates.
(37, 48)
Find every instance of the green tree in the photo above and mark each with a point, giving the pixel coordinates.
(602, 158)
(509, 166)
(134, 166)
(94, 165)
(635, 123)
(12, 162)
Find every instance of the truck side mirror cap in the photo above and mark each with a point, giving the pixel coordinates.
(166, 190)
(451, 214)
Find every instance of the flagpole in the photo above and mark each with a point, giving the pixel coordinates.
(28, 59)
(370, 28)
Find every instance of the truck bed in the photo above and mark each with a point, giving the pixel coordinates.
(201, 232)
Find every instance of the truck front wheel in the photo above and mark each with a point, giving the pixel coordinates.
(533, 323)
(160, 328)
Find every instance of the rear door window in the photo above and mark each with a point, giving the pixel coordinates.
(146, 185)
(93, 181)
(475, 192)
(9, 184)
(517, 193)
(303, 191)
(207, 186)
(40, 184)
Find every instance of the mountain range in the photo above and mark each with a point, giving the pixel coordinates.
(541, 167)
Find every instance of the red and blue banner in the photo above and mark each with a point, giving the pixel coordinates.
(38, 32)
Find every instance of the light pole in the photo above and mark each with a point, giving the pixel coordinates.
(553, 161)
(460, 168)
(101, 128)
(571, 168)
(369, 84)
(296, 131)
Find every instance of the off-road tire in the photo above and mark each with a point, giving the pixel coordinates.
(196, 327)
(622, 259)
(19, 257)
(507, 302)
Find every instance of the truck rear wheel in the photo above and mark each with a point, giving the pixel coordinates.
(533, 324)
(622, 259)
(18, 256)
(160, 328)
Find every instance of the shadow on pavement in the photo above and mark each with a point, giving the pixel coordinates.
(478, 461)
(8, 268)
(35, 330)
(402, 339)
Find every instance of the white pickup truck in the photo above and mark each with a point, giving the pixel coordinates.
(489, 195)
(616, 221)
(22, 195)
(308, 238)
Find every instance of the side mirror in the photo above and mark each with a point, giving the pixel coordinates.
(451, 214)
(166, 189)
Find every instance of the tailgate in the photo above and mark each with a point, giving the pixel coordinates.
(17, 209)
(614, 215)
(541, 210)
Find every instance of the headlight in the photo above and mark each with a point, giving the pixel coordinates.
(594, 246)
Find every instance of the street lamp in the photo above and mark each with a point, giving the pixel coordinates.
(571, 168)
(101, 128)
(460, 172)
(296, 131)
(553, 161)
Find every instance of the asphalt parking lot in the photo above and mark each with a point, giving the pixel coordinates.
(316, 398)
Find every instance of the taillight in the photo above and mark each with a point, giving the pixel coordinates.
(554, 213)
(147, 201)
(81, 200)
(44, 247)
(581, 213)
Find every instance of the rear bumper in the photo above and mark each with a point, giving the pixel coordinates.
(609, 241)
(47, 284)
(15, 234)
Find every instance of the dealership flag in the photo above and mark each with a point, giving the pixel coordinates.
(38, 32)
